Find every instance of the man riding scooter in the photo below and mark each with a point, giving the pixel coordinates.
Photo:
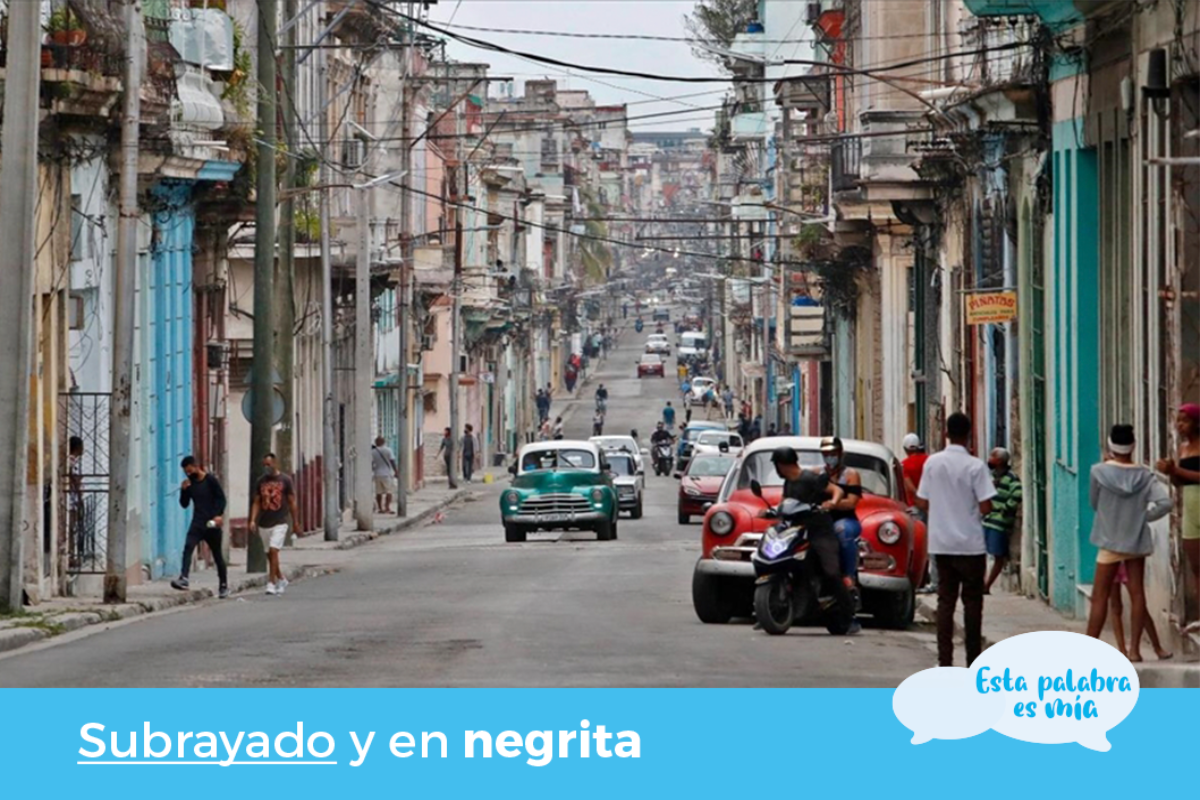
(662, 459)
(817, 489)
(845, 519)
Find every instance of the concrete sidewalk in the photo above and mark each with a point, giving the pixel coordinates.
(309, 556)
(1006, 615)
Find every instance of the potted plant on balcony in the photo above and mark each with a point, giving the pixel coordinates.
(65, 28)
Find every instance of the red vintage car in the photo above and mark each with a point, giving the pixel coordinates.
(700, 484)
(651, 364)
(892, 549)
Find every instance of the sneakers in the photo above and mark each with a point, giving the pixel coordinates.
(223, 592)
(281, 586)
(271, 589)
(180, 583)
(855, 628)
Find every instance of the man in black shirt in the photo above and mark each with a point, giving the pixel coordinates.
(816, 489)
(203, 492)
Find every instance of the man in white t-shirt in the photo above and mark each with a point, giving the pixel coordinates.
(956, 494)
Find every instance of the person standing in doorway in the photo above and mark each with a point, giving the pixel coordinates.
(444, 452)
(273, 505)
(203, 492)
(999, 525)
(468, 452)
(384, 472)
(956, 493)
(1126, 497)
(1185, 475)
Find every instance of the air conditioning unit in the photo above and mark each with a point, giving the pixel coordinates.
(353, 153)
(426, 342)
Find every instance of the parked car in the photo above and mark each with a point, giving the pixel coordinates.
(623, 444)
(892, 549)
(700, 387)
(712, 443)
(700, 484)
(684, 454)
(629, 480)
(659, 344)
(651, 364)
(560, 485)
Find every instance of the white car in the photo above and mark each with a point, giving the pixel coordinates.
(659, 344)
(629, 482)
(700, 387)
(709, 443)
(622, 444)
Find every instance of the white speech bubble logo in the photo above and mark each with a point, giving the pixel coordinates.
(942, 703)
(1080, 687)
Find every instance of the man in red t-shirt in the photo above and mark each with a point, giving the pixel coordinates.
(913, 465)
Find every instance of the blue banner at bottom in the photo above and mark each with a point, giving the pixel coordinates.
(576, 743)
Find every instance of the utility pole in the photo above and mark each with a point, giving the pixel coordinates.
(455, 341)
(403, 307)
(120, 406)
(364, 363)
(331, 489)
(262, 386)
(285, 270)
(18, 225)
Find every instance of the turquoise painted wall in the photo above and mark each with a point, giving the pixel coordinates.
(1073, 337)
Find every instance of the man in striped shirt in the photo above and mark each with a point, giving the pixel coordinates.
(1006, 505)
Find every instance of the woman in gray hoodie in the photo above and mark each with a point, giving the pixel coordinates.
(1126, 497)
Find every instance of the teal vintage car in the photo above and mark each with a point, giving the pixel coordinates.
(560, 485)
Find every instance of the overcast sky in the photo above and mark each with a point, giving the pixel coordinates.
(653, 17)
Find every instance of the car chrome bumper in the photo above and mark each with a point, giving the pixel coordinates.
(729, 569)
(884, 583)
(578, 518)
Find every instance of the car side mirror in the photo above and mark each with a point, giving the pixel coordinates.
(756, 489)
(678, 476)
(512, 469)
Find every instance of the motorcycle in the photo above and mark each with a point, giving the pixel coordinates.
(637, 326)
(601, 405)
(662, 458)
(788, 584)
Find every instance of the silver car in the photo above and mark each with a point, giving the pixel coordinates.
(629, 482)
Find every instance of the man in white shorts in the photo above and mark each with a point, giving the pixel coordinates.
(274, 502)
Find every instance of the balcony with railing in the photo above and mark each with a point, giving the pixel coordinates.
(845, 159)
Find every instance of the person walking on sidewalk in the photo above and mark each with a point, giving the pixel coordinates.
(558, 428)
(956, 493)
(1117, 609)
(468, 452)
(911, 468)
(384, 473)
(543, 405)
(444, 450)
(598, 423)
(999, 525)
(1126, 497)
(668, 416)
(203, 492)
(273, 505)
(727, 399)
(1185, 474)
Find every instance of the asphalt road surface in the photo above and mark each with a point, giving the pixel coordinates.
(453, 605)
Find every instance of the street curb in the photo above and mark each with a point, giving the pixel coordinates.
(1151, 674)
(360, 538)
(14, 638)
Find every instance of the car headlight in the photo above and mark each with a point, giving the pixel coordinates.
(692, 491)
(888, 533)
(721, 523)
(512, 498)
(597, 495)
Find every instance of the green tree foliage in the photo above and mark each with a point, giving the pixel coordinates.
(717, 22)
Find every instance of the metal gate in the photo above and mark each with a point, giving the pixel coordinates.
(83, 501)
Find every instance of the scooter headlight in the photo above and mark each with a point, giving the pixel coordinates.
(721, 523)
(888, 533)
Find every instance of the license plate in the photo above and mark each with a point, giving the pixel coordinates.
(555, 517)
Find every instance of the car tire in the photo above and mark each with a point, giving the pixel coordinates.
(684, 519)
(895, 610)
(514, 533)
(605, 530)
(710, 598)
(637, 510)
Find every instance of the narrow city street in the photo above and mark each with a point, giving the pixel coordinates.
(451, 604)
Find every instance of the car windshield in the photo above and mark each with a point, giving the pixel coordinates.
(872, 471)
(710, 467)
(620, 464)
(539, 460)
(651, 359)
(716, 437)
(691, 433)
(616, 443)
